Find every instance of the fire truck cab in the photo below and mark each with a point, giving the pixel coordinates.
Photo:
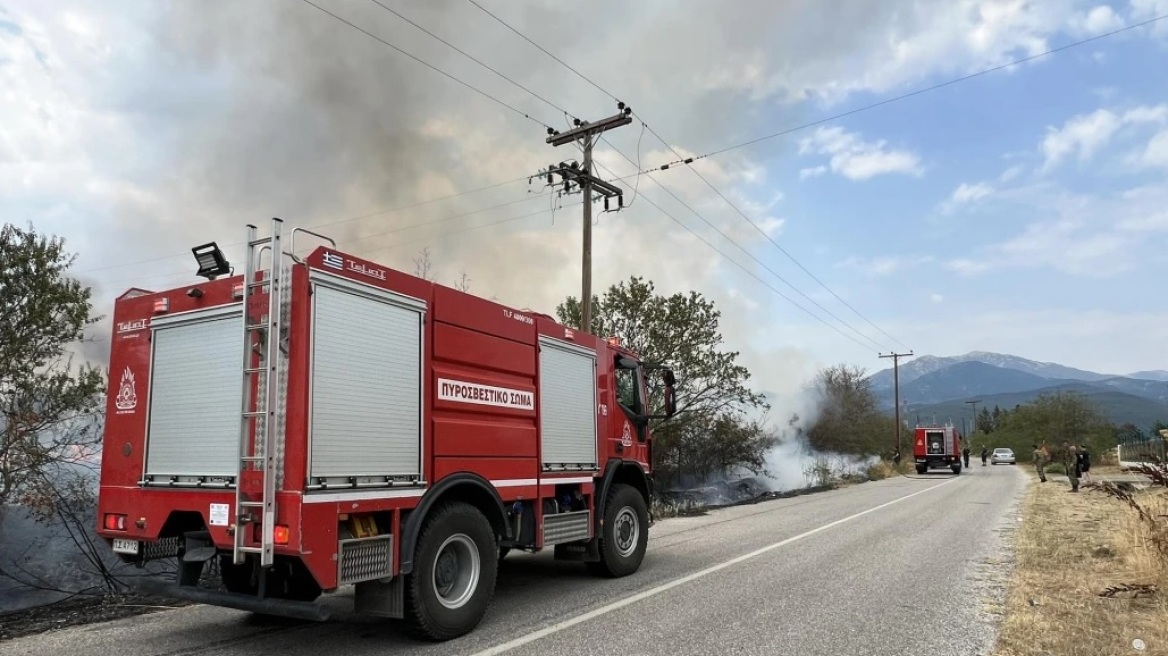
(936, 447)
(328, 422)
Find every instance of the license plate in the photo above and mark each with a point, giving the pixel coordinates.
(126, 546)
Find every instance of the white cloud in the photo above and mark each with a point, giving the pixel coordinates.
(1156, 153)
(812, 172)
(1082, 134)
(966, 194)
(856, 159)
(1142, 10)
(1096, 20)
(936, 298)
(1087, 236)
(1086, 134)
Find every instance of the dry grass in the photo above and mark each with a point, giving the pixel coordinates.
(1072, 550)
(886, 469)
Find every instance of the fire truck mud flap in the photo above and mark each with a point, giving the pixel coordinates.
(300, 610)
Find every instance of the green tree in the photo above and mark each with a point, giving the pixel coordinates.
(985, 421)
(50, 405)
(1052, 419)
(850, 420)
(711, 430)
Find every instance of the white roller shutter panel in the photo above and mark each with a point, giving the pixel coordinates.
(567, 407)
(366, 386)
(196, 390)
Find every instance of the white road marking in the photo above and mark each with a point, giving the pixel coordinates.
(652, 592)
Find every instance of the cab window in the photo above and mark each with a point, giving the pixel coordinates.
(628, 389)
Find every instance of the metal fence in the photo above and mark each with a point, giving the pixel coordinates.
(1133, 449)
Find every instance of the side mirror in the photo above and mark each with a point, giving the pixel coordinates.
(670, 382)
(670, 400)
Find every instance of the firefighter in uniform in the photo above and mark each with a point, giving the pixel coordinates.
(1040, 463)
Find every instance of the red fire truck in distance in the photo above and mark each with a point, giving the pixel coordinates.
(935, 447)
(357, 426)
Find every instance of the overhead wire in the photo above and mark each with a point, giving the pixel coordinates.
(427, 64)
(917, 92)
(690, 160)
(723, 196)
(637, 175)
(748, 272)
(668, 165)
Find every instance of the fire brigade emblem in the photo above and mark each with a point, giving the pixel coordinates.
(627, 436)
(127, 398)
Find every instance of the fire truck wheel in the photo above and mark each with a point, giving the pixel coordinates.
(455, 563)
(624, 534)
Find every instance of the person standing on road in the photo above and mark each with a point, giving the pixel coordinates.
(1040, 463)
(985, 454)
(1071, 463)
(965, 455)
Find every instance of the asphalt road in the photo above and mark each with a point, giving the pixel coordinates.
(905, 566)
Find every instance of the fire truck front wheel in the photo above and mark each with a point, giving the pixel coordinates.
(624, 533)
(454, 573)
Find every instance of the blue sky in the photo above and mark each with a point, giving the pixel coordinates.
(1022, 211)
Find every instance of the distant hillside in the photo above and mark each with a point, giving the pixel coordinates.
(964, 381)
(916, 367)
(1118, 406)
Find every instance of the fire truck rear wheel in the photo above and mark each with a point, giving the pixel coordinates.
(624, 534)
(455, 563)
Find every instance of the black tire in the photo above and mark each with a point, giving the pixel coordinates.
(464, 539)
(921, 469)
(956, 469)
(624, 535)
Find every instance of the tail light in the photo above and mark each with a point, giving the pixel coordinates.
(115, 522)
(280, 535)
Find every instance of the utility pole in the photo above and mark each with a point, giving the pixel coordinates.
(896, 389)
(974, 428)
(586, 134)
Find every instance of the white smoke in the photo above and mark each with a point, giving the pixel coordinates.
(793, 464)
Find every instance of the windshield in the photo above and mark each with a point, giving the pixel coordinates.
(1003, 451)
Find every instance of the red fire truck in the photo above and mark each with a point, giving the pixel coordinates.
(327, 421)
(935, 447)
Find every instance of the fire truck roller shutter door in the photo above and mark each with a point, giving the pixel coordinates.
(366, 399)
(567, 405)
(195, 394)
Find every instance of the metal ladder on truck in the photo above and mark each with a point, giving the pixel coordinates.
(259, 426)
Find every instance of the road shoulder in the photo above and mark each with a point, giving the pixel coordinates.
(1071, 548)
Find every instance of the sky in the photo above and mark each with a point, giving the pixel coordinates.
(1023, 211)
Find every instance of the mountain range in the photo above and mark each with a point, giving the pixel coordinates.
(940, 386)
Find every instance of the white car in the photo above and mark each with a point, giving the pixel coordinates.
(1002, 456)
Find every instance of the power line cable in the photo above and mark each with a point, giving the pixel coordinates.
(428, 65)
(698, 173)
(470, 57)
(750, 255)
(904, 96)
